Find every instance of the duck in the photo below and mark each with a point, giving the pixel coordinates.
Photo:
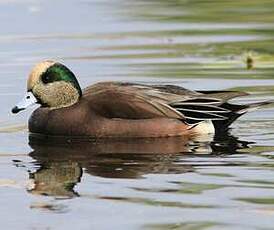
(113, 109)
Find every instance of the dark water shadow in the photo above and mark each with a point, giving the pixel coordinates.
(61, 162)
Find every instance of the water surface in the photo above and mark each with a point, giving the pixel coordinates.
(226, 183)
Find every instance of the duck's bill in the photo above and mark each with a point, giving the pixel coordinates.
(28, 100)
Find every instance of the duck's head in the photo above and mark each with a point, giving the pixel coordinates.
(52, 85)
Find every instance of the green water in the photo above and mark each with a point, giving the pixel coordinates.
(226, 183)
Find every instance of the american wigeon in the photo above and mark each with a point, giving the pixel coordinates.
(118, 109)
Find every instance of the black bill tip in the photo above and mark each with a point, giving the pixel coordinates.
(15, 109)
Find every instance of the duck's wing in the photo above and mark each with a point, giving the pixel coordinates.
(129, 101)
(136, 101)
(211, 105)
(223, 94)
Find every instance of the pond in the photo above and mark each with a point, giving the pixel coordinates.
(225, 183)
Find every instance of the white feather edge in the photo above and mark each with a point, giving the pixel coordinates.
(203, 127)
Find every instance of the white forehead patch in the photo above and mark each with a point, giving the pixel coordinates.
(37, 71)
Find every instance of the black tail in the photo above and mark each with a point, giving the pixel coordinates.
(235, 112)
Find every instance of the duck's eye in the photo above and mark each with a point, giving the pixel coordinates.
(47, 77)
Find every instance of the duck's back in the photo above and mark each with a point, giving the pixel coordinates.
(131, 101)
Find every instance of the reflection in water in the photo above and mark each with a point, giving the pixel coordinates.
(62, 162)
(56, 178)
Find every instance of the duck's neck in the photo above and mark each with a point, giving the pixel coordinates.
(69, 96)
